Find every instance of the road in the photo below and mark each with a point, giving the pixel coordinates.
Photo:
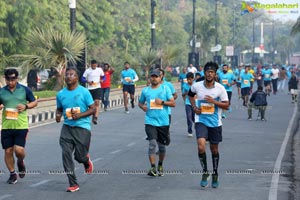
(248, 155)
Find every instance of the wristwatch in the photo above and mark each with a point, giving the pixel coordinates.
(163, 102)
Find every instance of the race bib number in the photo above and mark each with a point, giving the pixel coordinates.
(95, 84)
(154, 106)
(127, 79)
(259, 78)
(207, 108)
(267, 75)
(224, 81)
(11, 113)
(69, 111)
(185, 80)
(246, 82)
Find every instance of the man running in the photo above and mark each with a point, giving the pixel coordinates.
(15, 99)
(76, 105)
(128, 78)
(154, 101)
(211, 99)
(246, 77)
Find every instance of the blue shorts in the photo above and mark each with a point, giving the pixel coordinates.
(245, 91)
(211, 134)
(11, 137)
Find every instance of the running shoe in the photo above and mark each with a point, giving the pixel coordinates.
(204, 181)
(21, 168)
(249, 118)
(72, 188)
(190, 135)
(13, 179)
(126, 111)
(89, 167)
(132, 103)
(215, 181)
(160, 171)
(152, 172)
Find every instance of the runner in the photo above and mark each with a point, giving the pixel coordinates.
(266, 72)
(190, 114)
(128, 78)
(212, 98)
(75, 104)
(274, 77)
(15, 99)
(238, 73)
(105, 84)
(92, 77)
(154, 101)
(245, 85)
(293, 85)
(227, 79)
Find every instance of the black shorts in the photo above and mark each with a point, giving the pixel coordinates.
(211, 134)
(11, 137)
(159, 133)
(96, 93)
(266, 83)
(229, 94)
(238, 84)
(129, 88)
(245, 91)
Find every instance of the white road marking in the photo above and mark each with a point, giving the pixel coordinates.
(97, 159)
(5, 196)
(275, 177)
(130, 144)
(116, 151)
(39, 183)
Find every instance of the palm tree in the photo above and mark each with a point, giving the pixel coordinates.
(148, 58)
(296, 27)
(53, 48)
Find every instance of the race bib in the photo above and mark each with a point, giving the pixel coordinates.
(224, 81)
(127, 79)
(259, 78)
(154, 106)
(94, 84)
(11, 113)
(267, 75)
(246, 82)
(68, 111)
(185, 80)
(207, 108)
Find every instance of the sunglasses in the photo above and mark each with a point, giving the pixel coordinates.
(10, 78)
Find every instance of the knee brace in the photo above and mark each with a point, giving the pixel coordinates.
(152, 147)
(161, 148)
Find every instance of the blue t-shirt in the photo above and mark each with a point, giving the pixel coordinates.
(173, 91)
(81, 99)
(266, 74)
(128, 74)
(225, 79)
(238, 74)
(245, 79)
(156, 115)
(185, 88)
(182, 78)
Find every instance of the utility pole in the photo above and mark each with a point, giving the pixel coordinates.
(153, 4)
(216, 25)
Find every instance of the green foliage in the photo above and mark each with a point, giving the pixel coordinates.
(45, 94)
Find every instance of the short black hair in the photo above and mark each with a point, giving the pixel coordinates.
(11, 71)
(211, 65)
(94, 62)
(190, 75)
(260, 88)
(73, 68)
(126, 63)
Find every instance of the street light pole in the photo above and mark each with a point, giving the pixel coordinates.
(194, 34)
(72, 6)
(253, 41)
(216, 25)
(153, 4)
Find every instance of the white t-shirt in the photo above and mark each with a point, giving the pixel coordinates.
(192, 69)
(93, 75)
(275, 73)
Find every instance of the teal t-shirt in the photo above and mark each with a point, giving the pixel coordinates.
(156, 115)
(128, 74)
(78, 99)
(225, 79)
(246, 79)
(185, 88)
(11, 118)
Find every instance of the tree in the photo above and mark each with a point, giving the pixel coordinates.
(51, 48)
(296, 27)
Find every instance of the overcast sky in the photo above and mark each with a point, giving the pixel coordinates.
(290, 16)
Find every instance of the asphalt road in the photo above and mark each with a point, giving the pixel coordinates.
(249, 153)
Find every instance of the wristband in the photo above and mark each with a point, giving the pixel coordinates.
(163, 102)
(26, 106)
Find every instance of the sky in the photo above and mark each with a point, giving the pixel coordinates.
(292, 14)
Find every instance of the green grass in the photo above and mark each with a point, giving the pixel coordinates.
(45, 93)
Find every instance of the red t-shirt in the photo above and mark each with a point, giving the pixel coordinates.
(106, 83)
